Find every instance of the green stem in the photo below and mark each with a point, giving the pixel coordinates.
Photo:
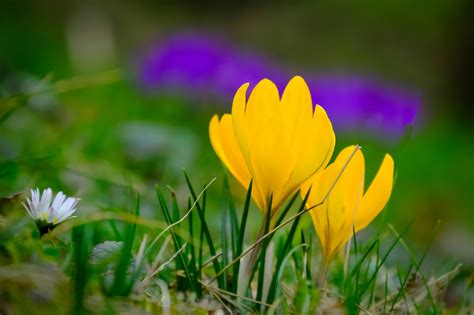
(323, 275)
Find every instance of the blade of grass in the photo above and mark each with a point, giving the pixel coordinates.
(117, 235)
(207, 233)
(420, 262)
(224, 211)
(234, 223)
(169, 226)
(309, 252)
(263, 252)
(139, 262)
(201, 264)
(192, 251)
(385, 295)
(240, 238)
(286, 247)
(119, 286)
(287, 208)
(81, 257)
(156, 262)
(245, 307)
(279, 271)
(181, 262)
(304, 256)
(356, 269)
(173, 257)
(374, 283)
(175, 207)
(174, 217)
(391, 248)
(402, 287)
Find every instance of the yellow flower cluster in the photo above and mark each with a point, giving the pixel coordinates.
(284, 145)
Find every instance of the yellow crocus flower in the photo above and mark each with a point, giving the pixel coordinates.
(347, 208)
(278, 143)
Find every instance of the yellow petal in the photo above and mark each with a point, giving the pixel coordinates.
(323, 215)
(332, 144)
(377, 195)
(324, 138)
(262, 104)
(296, 106)
(262, 127)
(238, 118)
(270, 161)
(225, 145)
(334, 219)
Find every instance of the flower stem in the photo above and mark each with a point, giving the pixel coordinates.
(323, 275)
(244, 280)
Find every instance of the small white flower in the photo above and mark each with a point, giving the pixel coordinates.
(47, 214)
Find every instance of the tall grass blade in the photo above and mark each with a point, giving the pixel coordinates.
(201, 240)
(391, 248)
(181, 262)
(286, 248)
(81, 258)
(207, 233)
(224, 211)
(192, 253)
(119, 286)
(286, 209)
(263, 252)
(357, 267)
(234, 223)
(240, 238)
(419, 263)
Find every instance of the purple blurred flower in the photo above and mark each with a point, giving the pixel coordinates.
(358, 103)
(202, 64)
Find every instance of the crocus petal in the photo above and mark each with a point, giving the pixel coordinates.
(352, 179)
(226, 147)
(320, 141)
(297, 106)
(260, 136)
(238, 120)
(302, 126)
(377, 195)
(320, 183)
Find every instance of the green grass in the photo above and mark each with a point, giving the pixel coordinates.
(367, 284)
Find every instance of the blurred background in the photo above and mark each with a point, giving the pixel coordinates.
(100, 95)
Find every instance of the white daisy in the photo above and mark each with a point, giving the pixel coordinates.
(47, 214)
